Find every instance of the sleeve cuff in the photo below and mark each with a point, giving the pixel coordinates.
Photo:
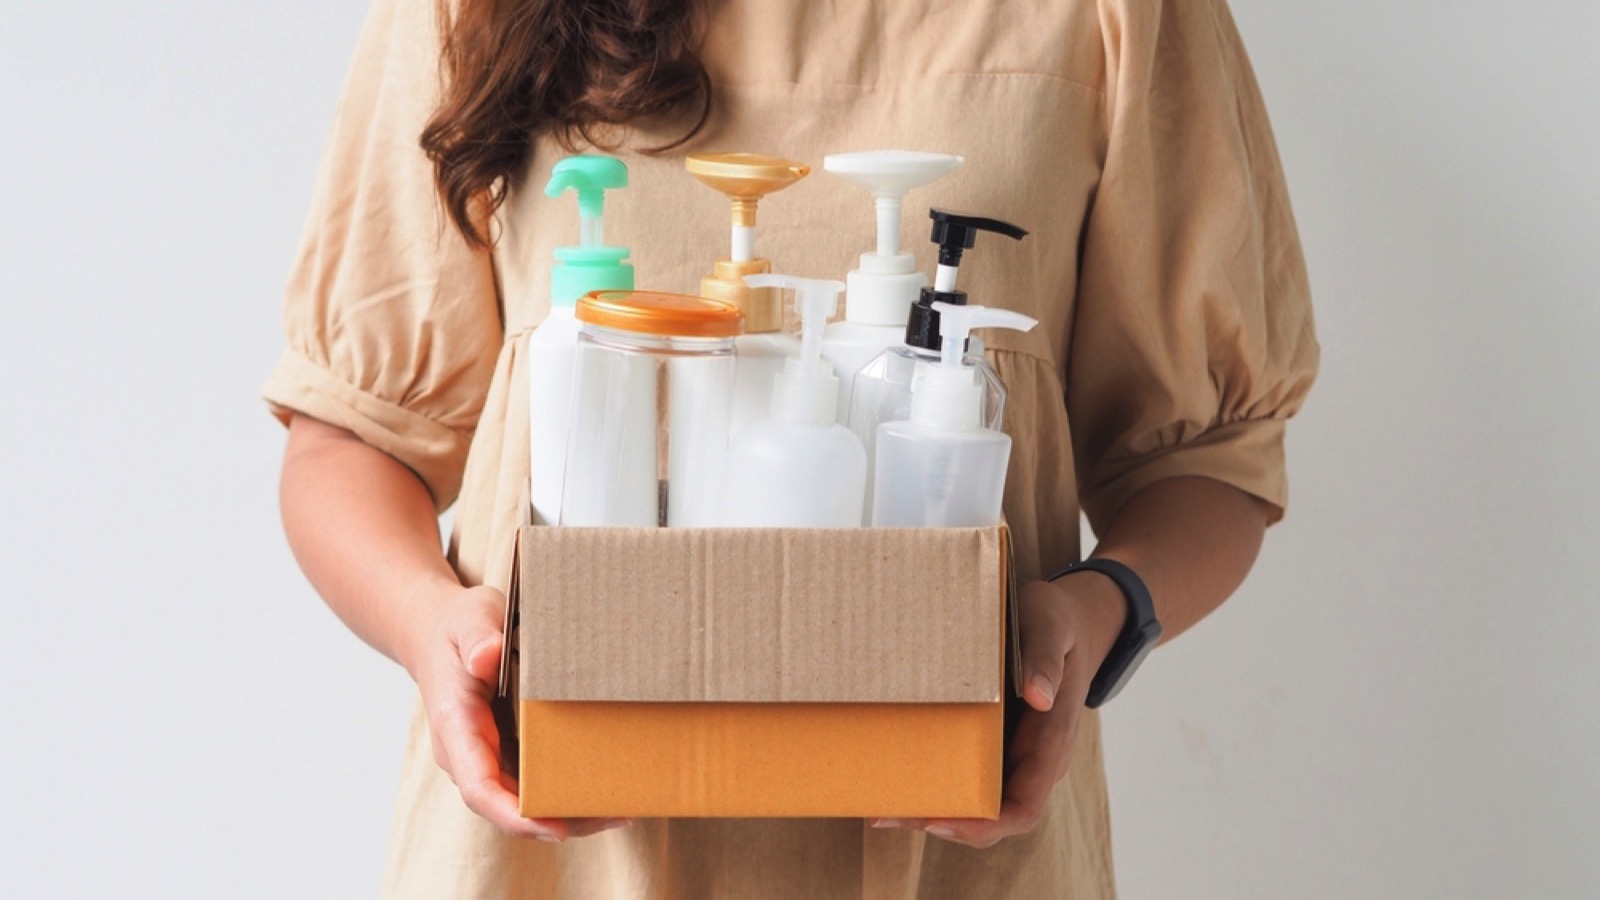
(1247, 455)
(435, 452)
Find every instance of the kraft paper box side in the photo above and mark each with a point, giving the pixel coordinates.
(759, 672)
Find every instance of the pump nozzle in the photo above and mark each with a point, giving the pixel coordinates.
(591, 176)
(745, 178)
(956, 322)
(947, 394)
(591, 265)
(806, 390)
(954, 233)
(886, 282)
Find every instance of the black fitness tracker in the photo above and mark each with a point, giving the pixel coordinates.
(1139, 634)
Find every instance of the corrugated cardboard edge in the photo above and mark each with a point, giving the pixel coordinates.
(508, 646)
(1012, 628)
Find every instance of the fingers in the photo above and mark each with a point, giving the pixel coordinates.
(1046, 638)
(1038, 756)
(466, 742)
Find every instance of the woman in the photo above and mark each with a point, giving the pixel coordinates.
(1175, 341)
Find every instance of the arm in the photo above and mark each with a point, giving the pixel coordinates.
(362, 526)
(1192, 540)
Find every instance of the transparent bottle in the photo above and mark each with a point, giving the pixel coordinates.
(941, 468)
(652, 400)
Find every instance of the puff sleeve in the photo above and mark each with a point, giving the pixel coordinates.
(1192, 340)
(393, 320)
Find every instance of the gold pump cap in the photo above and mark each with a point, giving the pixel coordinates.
(745, 178)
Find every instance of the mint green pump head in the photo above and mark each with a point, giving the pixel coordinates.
(590, 266)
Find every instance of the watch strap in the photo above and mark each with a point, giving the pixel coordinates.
(1139, 629)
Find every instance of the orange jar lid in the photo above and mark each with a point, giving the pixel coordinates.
(665, 315)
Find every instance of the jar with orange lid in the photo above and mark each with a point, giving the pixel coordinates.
(652, 401)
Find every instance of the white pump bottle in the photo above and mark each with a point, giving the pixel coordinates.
(799, 468)
(589, 266)
(942, 468)
(879, 293)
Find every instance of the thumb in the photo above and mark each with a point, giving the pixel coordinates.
(1044, 654)
(480, 654)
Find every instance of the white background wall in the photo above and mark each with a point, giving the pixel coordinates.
(1400, 703)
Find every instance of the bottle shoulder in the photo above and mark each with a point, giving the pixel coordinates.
(771, 343)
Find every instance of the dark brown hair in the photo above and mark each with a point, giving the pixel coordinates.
(514, 69)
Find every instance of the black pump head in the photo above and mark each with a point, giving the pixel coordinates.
(955, 232)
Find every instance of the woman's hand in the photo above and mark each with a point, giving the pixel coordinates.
(1067, 627)
(454, 655)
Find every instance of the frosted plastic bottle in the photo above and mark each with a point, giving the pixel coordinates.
(941, 468)
(590, 266)
(882, 388)
(745, 178)
(800, 468)
(880, 291)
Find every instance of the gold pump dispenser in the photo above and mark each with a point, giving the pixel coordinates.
(745, 178)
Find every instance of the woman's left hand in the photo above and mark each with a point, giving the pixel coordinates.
(1067, 627)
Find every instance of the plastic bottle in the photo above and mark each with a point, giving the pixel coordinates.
(879, 293)
(651, 395)
(589, 266)
(941, 468)
(800, 468)
(882, 389)
(745, 178)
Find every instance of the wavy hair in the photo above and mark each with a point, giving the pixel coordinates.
(514, 69)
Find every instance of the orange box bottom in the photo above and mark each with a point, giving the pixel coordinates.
(613, 759)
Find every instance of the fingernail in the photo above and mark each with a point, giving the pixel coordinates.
(547, 837)
(888, 823)
(1043, 686)
(609, 824)
(939, 831)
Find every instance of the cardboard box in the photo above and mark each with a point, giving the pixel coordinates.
(759, 672)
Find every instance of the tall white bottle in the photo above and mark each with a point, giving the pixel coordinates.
(942, 468)
(879, 293)
(799, 468)
(589, 266)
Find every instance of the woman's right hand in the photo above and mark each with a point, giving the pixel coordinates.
(453, 653)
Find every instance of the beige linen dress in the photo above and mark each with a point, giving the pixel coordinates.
(1175, 338)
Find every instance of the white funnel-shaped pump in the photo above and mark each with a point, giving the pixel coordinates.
(947, 395)
(806, 390)
(887, 282)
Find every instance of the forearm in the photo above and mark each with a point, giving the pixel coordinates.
(363, 529)
(1192, 540)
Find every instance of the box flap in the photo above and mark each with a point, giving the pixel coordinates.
(761, 615)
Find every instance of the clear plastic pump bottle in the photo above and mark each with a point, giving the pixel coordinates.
(800, 468)
(941, 468)
(882, 389)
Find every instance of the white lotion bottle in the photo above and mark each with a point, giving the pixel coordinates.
(879, 293)
(552, 347)
(941, 468)
(799, 468)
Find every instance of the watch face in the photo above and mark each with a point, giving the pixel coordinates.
(1147, 643)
